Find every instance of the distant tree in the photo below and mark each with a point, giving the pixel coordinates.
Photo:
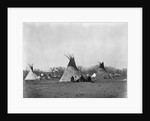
(52, 70)
(60, 70)
(80, 68)
(123, 72)
(110, 69)
(37, 70)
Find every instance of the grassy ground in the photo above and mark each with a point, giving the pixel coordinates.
(54, 89)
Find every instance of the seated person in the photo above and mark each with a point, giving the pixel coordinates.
(72, 79)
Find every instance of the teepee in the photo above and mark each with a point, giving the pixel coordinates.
(31, 75)
(101, 72)
(94, 75)
(70, 71)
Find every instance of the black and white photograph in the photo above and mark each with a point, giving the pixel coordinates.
(75, 59)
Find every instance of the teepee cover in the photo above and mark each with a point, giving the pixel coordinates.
(71, 70)
(94, 75)
(101, 72)
(31, 75)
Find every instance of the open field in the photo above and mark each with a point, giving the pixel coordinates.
(54, 89)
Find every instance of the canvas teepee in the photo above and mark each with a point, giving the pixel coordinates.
(101, 72)
(71, 70)
(94, 75)
(31, 75)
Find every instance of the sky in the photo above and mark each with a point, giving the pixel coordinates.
(45, 44)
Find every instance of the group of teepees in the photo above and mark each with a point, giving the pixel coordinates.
(73, 72)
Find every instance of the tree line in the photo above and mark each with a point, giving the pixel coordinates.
(58, 71)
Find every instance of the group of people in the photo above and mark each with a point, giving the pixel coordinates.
(81, 79)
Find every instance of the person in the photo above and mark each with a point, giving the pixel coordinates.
(75, 78)
(72, 79)
(89, 79)
(82, 79)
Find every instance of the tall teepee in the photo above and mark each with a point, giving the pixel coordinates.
(101, 72)
(71, 70)
(31, 75)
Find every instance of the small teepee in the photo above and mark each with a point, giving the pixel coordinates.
(71, 70)
(94, 75)
(101, 72)
(31, 75)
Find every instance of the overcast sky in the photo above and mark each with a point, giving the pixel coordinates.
(44, 44)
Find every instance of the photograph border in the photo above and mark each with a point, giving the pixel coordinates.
(144, 52)
(113, 15)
